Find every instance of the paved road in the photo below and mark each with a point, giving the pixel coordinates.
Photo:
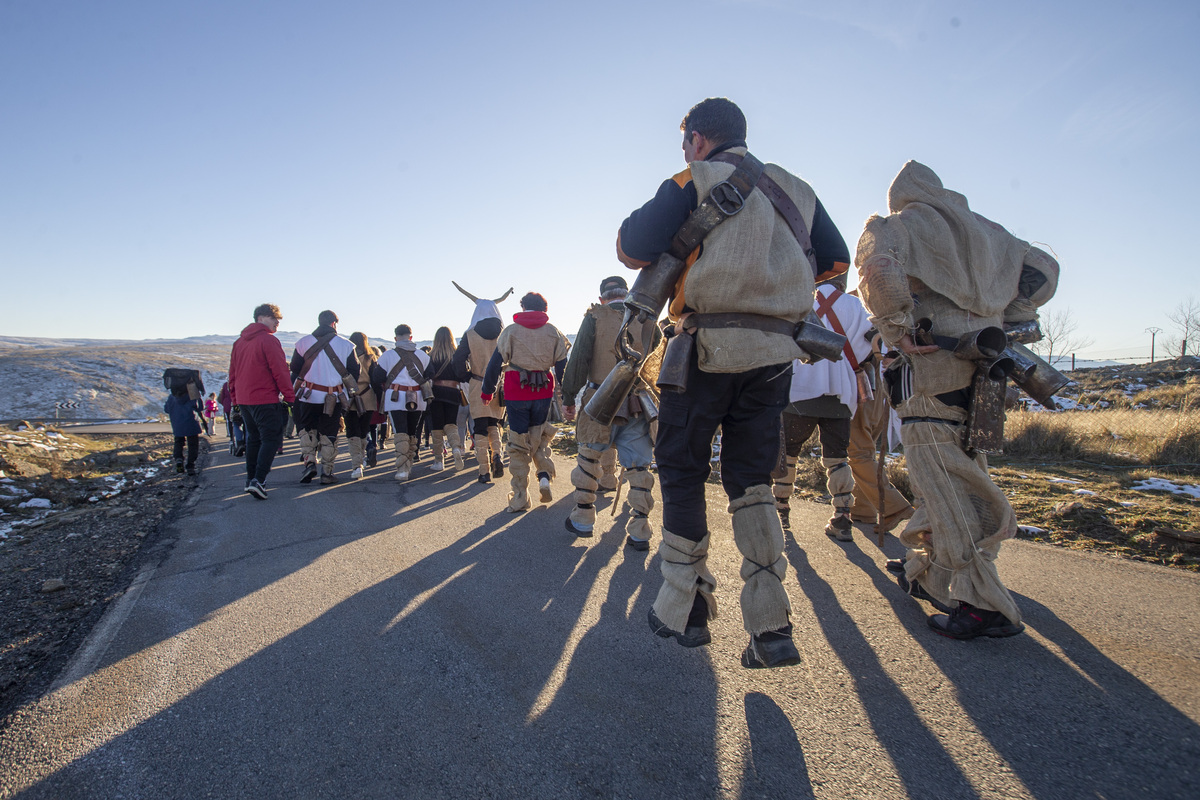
(376, 640)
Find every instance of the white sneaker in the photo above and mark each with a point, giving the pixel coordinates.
(458, 458)
(437, 465)
(356, 473)
(401, 476)
(544, 485)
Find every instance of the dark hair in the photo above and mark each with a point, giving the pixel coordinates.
(717, 119)
(534, 302)
(403, 330)
(326, 318)
(267, 310)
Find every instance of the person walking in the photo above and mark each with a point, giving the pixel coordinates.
(185, 417)
(447, 399)
(258, 377)
(323, 367)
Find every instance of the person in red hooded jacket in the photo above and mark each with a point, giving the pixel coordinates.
(258, 376)
(531, 354)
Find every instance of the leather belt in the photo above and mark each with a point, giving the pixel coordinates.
(316, 387)
(449, 384)
(402, 388)
(759, 322)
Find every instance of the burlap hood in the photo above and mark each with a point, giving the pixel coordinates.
(939, 241)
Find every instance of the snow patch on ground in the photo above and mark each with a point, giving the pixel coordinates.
(1191, 490)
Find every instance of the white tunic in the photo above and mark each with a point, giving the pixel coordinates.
(323, 372)
(403, 378)
(835, 377)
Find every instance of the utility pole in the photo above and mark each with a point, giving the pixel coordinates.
(1153, 332)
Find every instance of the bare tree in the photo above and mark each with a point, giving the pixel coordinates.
(1060, 336)
(1185, 322)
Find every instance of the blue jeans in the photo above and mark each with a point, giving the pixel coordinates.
(632, 440)
(526, 414)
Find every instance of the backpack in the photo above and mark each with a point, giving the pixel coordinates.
(178, 380)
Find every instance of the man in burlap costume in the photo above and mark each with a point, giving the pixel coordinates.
(531, 354)
(397, 377)
(752, 263)
(592, 358)
(321, 395)
(824, 396)
(474, 351)
(933, 258)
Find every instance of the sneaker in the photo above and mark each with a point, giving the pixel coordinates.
(310, 472)
(544, 486)
(895, 565)
(582, 533)
(641, 545)
(458, 458)
(356, 473)
(256, 490)
(692, 636)
(401, 476)
(969, 622)
(328, 480)
(485, 478)
(497, 467)
(840, 528)
(437, 465)
(917, 591)
(771, 649)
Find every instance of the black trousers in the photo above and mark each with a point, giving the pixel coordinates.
(407, 421)
(193, 447)
(312, 417)
(835, 434)
(264, 435)
(746, 406)
(358, 425)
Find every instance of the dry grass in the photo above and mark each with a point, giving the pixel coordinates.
(1124, 437)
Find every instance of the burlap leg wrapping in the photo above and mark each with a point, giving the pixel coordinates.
(402, 443)
(685, 572)
(519, 457)
(541, 436)
(356, 448)
(584, 479)
(759, 537)
(308, 447)
(641, 500)
(456, 445)
(328, 454)
(608, 461)
(482, 456)
(956, 533)
(782, 481)
(494, 440)
(839, 479)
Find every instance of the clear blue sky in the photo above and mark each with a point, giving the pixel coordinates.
(166, 166)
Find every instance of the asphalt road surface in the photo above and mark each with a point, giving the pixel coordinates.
(372, 639)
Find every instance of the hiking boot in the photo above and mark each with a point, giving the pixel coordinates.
(840, 528)
(968, 622)
(544, 486)
(310, 472)
(179, 466)
(497, 466)
(641, 545)
(582, 533)
(916, 590)
(256, 490)
(485, 478)
(692, 636)
(771, 649)
(328, 480)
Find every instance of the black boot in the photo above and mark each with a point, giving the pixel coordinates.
(771, 649)
(969, 622)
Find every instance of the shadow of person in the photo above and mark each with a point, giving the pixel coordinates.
(776, 758)
(1068, 720)
(921, 760)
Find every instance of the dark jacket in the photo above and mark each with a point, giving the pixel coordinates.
(183, 410)
(258, 369)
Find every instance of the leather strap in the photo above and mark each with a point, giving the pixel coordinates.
(784, 205)
(759, 322)
(724, 200)
(825, 309)
(402, 388)
(310, 355)
(316, 387)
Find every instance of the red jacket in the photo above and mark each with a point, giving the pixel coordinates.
(258, 369)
